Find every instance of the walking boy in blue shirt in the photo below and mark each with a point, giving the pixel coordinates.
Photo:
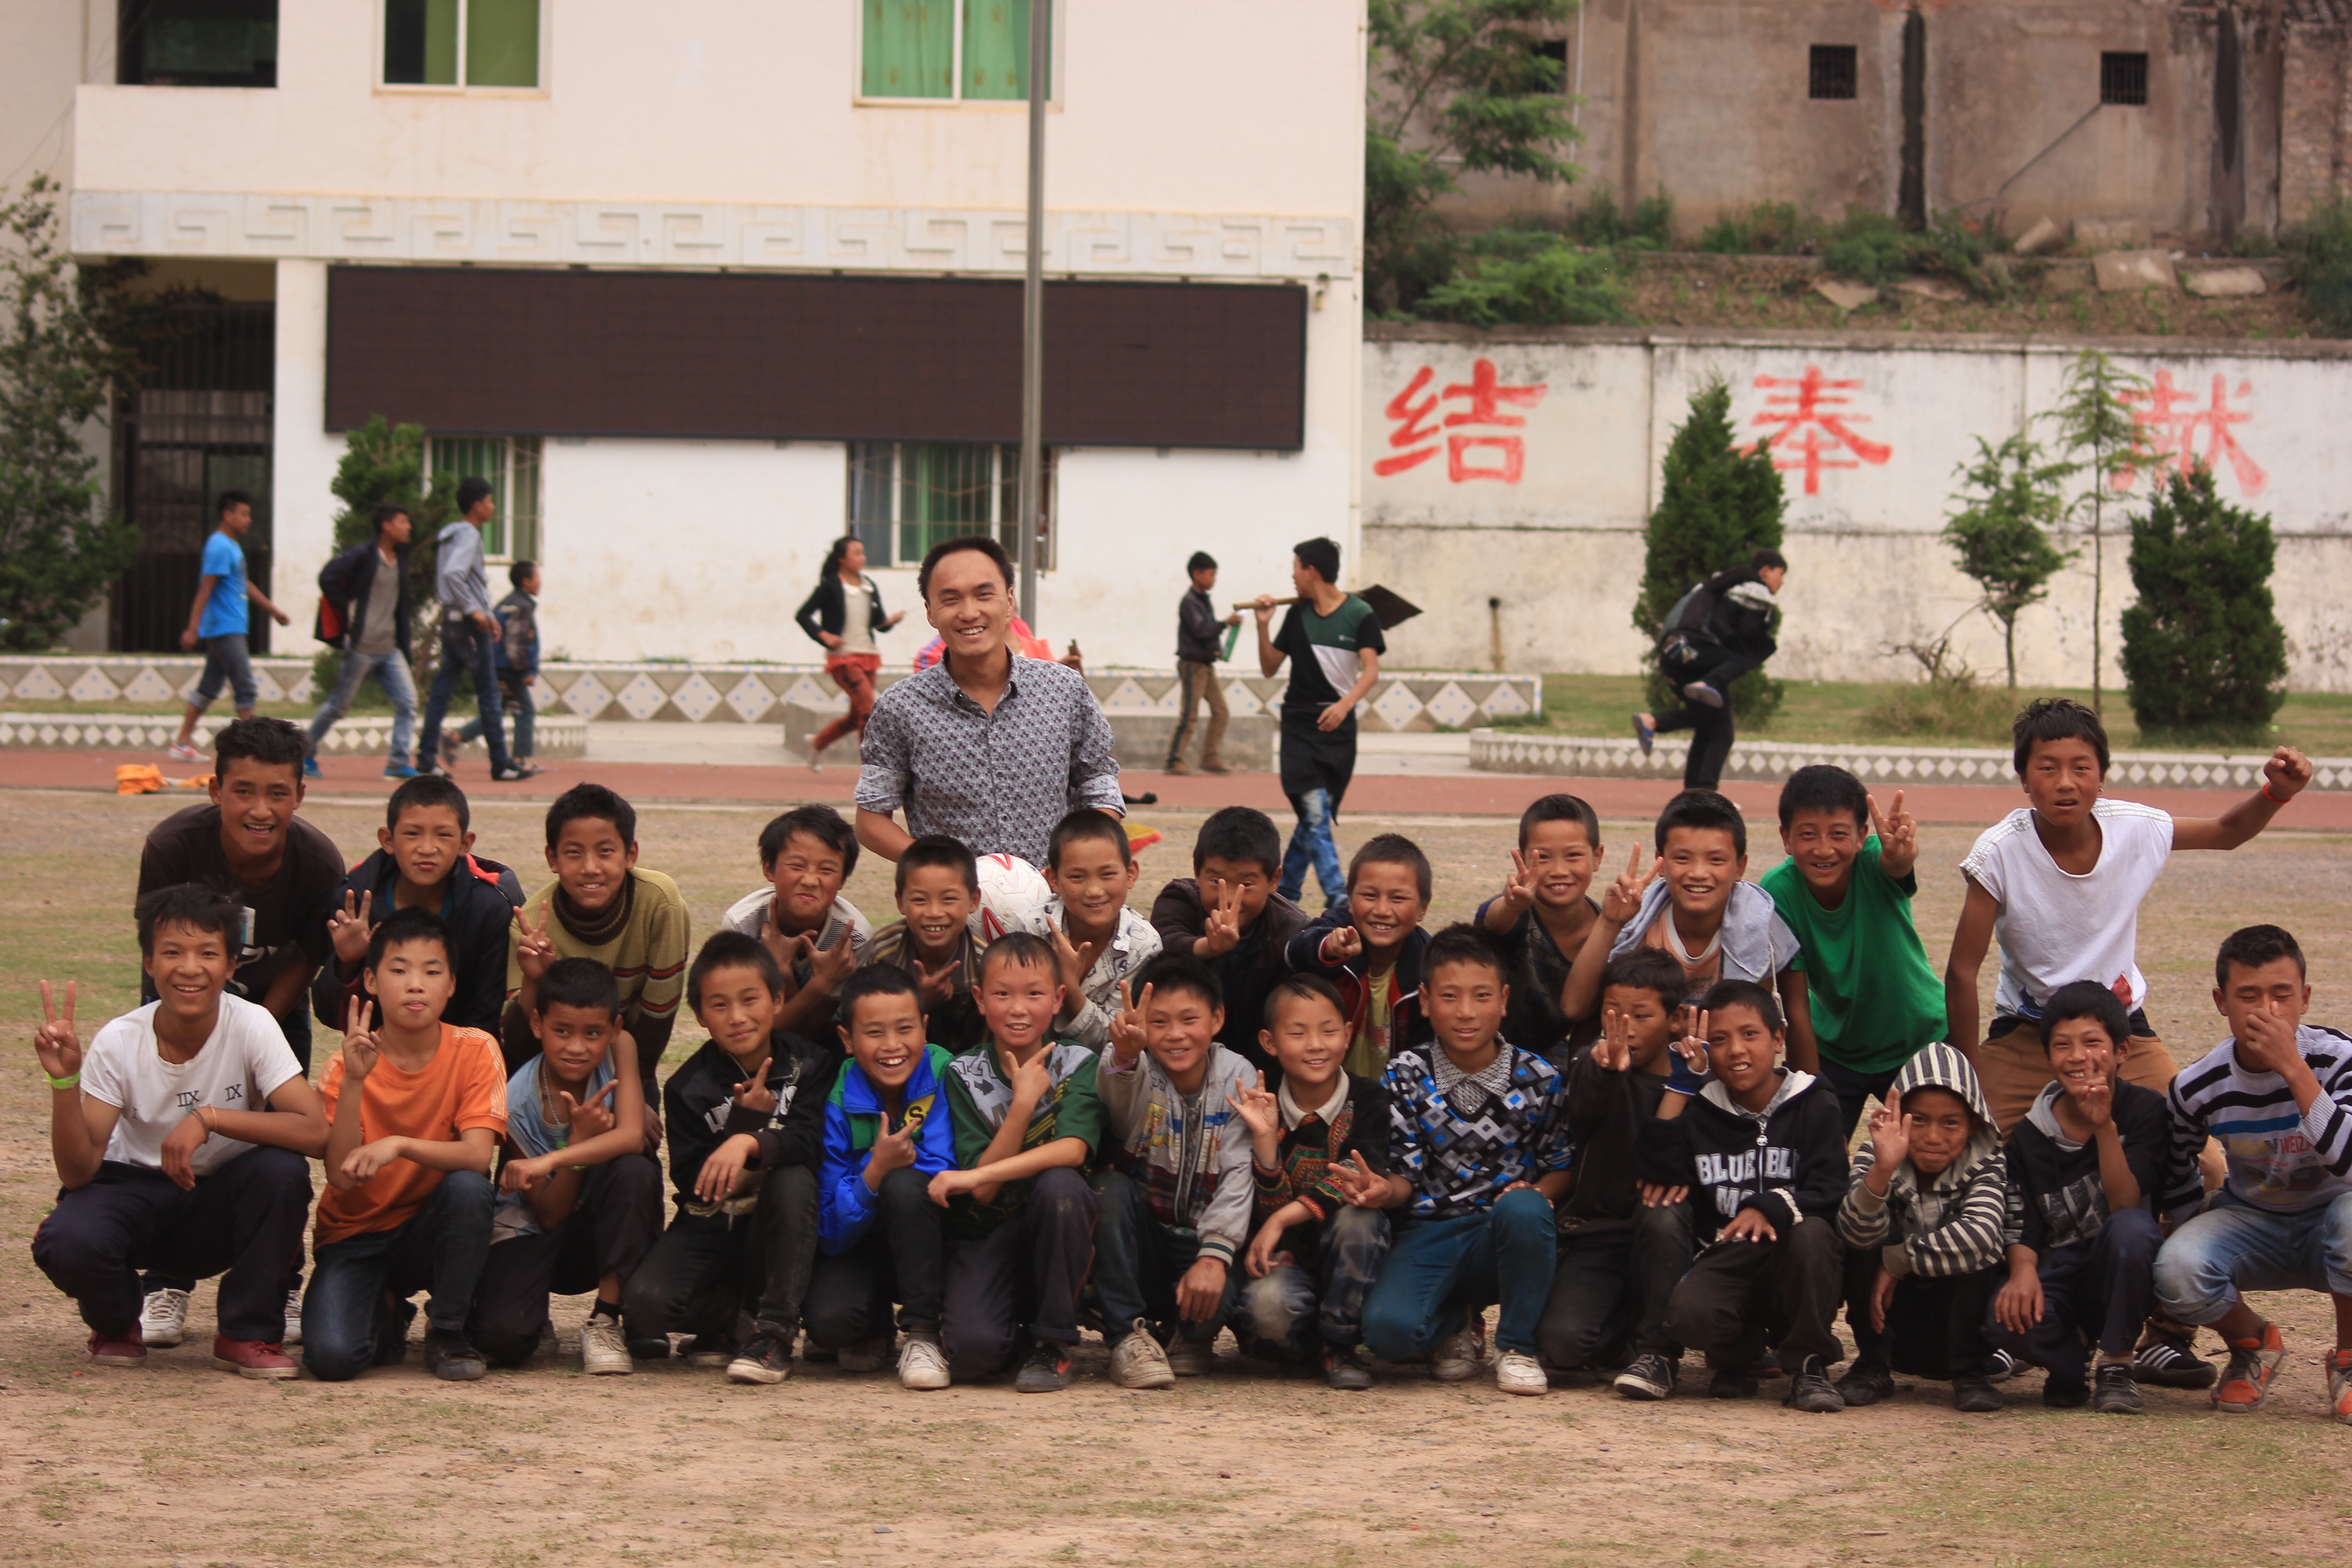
(219, 620)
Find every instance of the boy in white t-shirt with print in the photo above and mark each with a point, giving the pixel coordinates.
(182, 1138)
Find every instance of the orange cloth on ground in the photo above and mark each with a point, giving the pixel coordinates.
(463, 1087)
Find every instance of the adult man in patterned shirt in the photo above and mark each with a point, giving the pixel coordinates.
(984, 746)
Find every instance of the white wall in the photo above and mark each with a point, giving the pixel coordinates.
(40, 65)
(303, 456)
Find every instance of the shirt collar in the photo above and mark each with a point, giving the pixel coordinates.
(1294, 1113)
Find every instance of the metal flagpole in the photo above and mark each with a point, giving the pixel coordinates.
(1033, 318)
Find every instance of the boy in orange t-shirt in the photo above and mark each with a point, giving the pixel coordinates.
(408, 1167)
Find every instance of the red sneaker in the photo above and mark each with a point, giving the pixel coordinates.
(2253, 1363)
(125, 1348)
(2340, 1386)
(251, 1358)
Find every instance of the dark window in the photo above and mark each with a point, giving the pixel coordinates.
(1554, 52)
(196, 43)
(1832, 72)
(2123, 78)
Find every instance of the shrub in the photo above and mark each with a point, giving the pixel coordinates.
(1766, 228)
(2203, 650)
(1948, 701)
(1550, 283)
(2009, 499)
(2322, 249)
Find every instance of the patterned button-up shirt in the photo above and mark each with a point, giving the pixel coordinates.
(1460, 1139)
(998, 781)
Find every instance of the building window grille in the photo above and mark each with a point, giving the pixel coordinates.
(1833, 73)
(511, 465)
(908, 496)
(2123, 78)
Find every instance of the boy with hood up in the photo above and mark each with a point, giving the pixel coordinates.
(1923, 1219)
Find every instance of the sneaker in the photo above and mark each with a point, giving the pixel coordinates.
(2253, 1364)
(764, 1358)
(125, 1348)
(164, 1319)
(2058, 1394)
(1189, 1357)
(251, 1358)
(1138, 1362)
(2117, 1391)
(1699, 691)
(1047, 1370)
(1732, 1382)
(311, 769)
(1343, 1367)
(1216, 767)
(293, 1335)
(398, 770)
(2339, 1385)
(711, 1352)
(1179, 768)
(1648, 1376)
(2172, 1363)
(872, 1355)
(181, 751)
(1644, 736)
(2004, 1367)
(513, 772)
(451, 1358)
(1865, 1382)
(1810, 1388)
(1458, 1359)
(603, 1349)
(652, 1347)
(1976, 1396)
(1516, 1372)
(922, 1363)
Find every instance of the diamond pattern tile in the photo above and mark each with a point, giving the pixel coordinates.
(696, 697)
(1451, 706)
(147, 686)
(93, 687)
(265, 687)
(1127, 696)
(751, 699)
(1397, 707)
(39, 686)
(1243, 701)
(810, 692)
(587, 696)
(642, 697)
(1505, 701)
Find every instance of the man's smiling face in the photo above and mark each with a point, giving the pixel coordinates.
(257, 803)
(969, 604)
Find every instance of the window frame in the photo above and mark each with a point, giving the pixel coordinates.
(504, 490)
(1003, 455)
(459, 89)
(1851, 64)
(1055, 67)
(2117, 60)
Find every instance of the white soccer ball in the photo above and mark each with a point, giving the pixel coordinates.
(1012, 896)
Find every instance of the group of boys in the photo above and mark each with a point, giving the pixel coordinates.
(1623, 1121)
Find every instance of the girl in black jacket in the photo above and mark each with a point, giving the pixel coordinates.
(844, 613)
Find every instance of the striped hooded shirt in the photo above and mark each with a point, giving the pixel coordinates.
(1950, 1223)
(2282, 1159)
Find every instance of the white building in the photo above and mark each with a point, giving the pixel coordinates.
(699, 286)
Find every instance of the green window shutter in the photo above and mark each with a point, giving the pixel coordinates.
(996, 49)
(909, 49)
(502, 43)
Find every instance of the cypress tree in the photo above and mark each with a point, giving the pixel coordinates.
(2203, 649)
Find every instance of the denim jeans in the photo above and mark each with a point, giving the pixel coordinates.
(391, 672)
(514, 700)
(1854, 1089)
(226, 659)
(1138, 1260)
(2100, 1291)
(2234, 1246)
(1440, 1271)
(1317, 1299)
(466, 649)
(1311, 842)
(441, 1247)
(1610, 1291)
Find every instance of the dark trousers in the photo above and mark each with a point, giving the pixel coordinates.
(1315, 1300)
(466, 649)
(1854, 1088)
(1441, 1272)
(2095, 1296)
(610, 1229)
(1934, 1324)
(360, 1286)
(705, 1272)
(1138, 1260)
(244, 1222)
(1611, 1286)
(1020, 1281)
(1741, 1296)
(1710, 745)
(901, 1259)
(296, 1027)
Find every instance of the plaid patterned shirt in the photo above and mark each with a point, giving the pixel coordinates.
(1461, 1143)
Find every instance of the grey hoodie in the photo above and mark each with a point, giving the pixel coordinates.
(1195, 1173)
(1757, 942)
(1948, 1224)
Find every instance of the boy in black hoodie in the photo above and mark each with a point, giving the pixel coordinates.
(1623, 1243)
(1373, 948)
(744, 1117)
(1762, 1148)
(1228, 915)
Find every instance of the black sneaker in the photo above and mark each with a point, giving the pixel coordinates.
(2060, 1395)
(1648, 1376)
(1343, 1367)
(392, 1321)
(2002, 1367)
(706, 1351)
(451, 1358)
(1810, 1388)
(1865, 1382)
(764, 1358)
(1730, 1383)
(2170, 1364)
(1975, 1395)
(2115, 1392)
(649, 1347)
(1047, 1370)
(513, 772)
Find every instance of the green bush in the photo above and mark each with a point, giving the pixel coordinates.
(2322, 249)
(2204, 654)
(1653, 224)
(1946, 702)
(1766, 228)
(1872, 247)
(1530, 280)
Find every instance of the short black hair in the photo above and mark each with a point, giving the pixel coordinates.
(190, 904)
(385, 512)
(874, 980)
(1745, 993)
(1560, 808)
(980, 542)
(1019, 947)
(428, 790)
(2057, 718)
(1176, 972)
(412, 924)
(1391, 850)
(587, 802)
(1201, 562)
(2085, 999)
(938, 850)
(1764, 557)
(580, 983)
(2251, 947)
(1463, 942)
(273, 743)
(1320, 555)
(821, 823)
(1239, 836)
(1086, 822)
(229, 498)
(728, 949)
(521, 570)
(1651, 969)
(1822, 787)
(1703, 808)
(470, 488)
(1303, 987)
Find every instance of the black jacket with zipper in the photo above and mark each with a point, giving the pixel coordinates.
(350, 578)
(1786, 1161)
(827, 609)
(1200, 636)
(478, 908)
(699, 1112)
(1609, 1119)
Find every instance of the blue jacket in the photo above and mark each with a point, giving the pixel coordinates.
(853, 1120)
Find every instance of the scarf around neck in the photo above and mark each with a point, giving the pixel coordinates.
(602, 928)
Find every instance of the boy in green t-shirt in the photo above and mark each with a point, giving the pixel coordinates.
(1333, 642)
(1847, 893)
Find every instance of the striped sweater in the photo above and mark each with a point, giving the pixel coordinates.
(1948, 1224)
(646, 952)
(2281, 1158)
(1305, 1152)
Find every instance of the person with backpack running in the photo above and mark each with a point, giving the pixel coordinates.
(1714, 634)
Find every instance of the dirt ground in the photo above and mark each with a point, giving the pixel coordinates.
(180, 1464)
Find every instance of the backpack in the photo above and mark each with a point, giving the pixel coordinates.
(332, 624)
(1684, 628)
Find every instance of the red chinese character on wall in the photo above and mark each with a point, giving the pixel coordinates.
(1803, 410)
(2169, 423)
(1416, 440)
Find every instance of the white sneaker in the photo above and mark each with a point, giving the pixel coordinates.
(293, 1320)
(1189, 1357)
(1138, 1362)
(1459, 1356)
(603, 1349)
(164, 1318)
(1516, 1372)
(921, 1363)
(873, 1355)
(181, 753)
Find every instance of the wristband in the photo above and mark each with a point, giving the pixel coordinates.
(71, 1081)
(2274, 800)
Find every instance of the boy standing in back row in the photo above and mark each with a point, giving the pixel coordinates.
(1199, 647)
(218, 619)
(1333, 642)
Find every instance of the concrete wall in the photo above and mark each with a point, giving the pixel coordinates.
(1869, 479)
